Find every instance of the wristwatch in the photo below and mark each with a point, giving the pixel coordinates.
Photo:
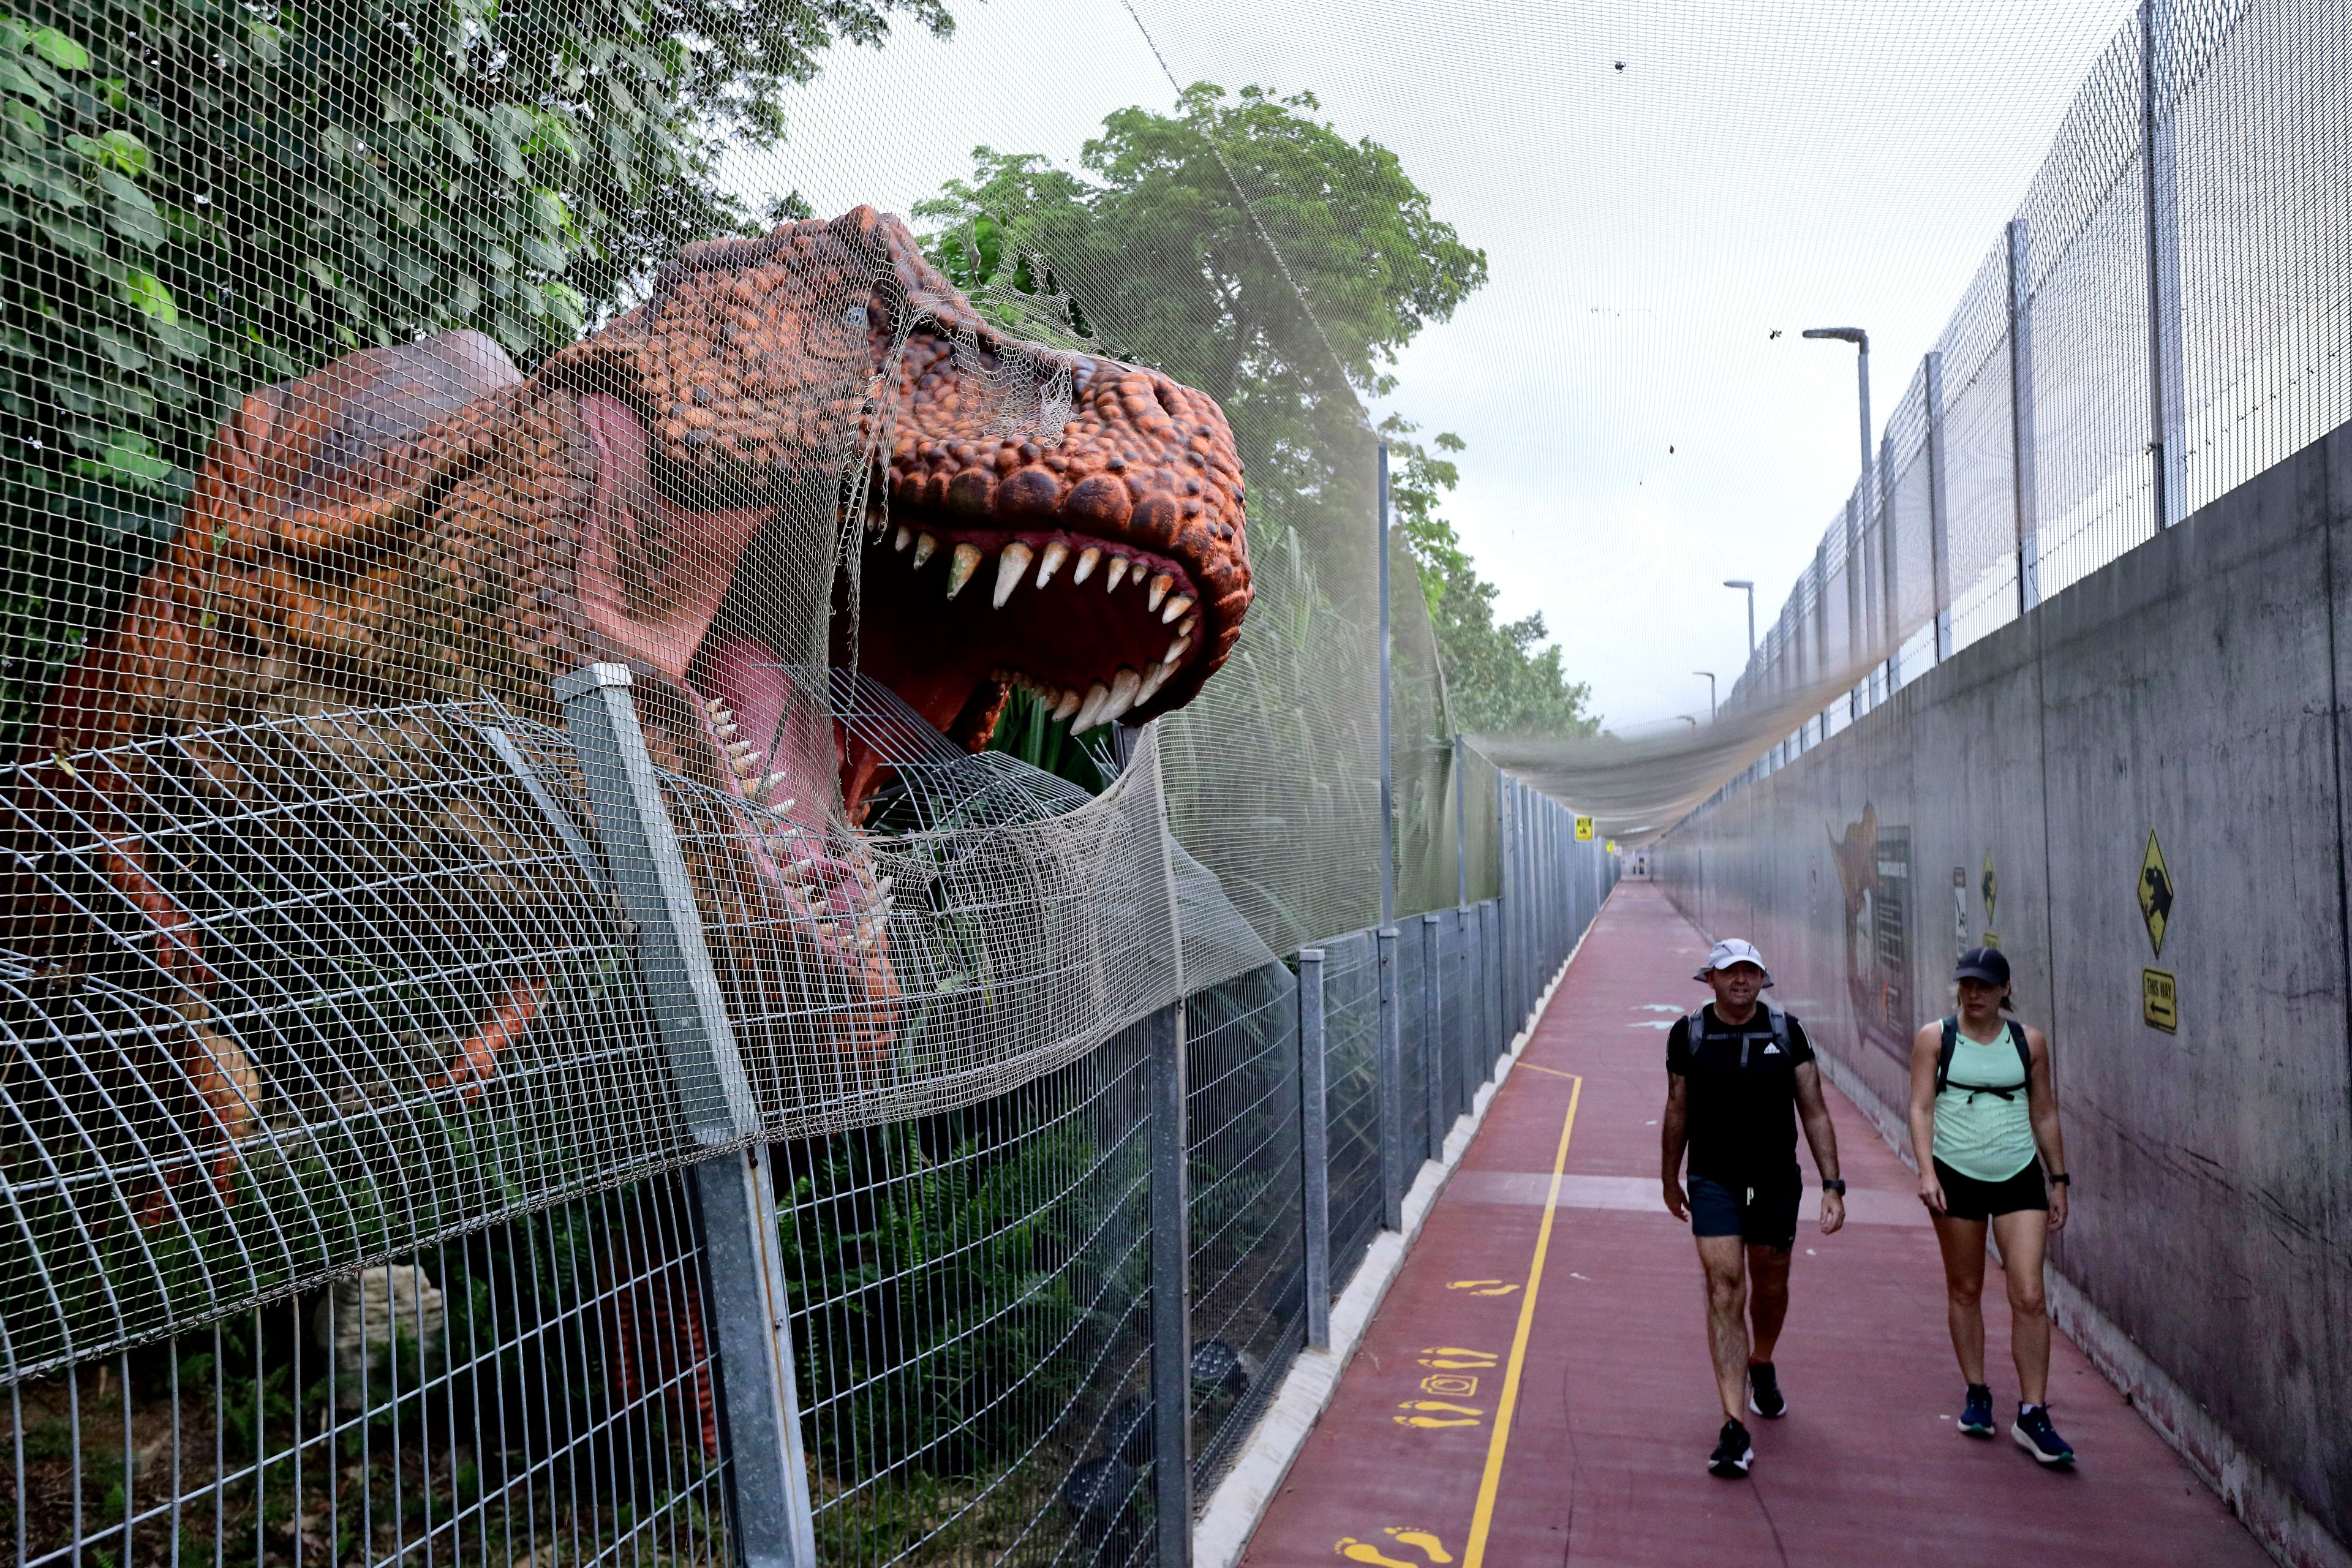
(2062, 1180)
(1837, 1184)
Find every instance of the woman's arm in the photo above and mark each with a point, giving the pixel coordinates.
(1926, 1046)
(2041, 1102)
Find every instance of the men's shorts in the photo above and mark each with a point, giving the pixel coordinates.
(1762, 1216)
(1965, 1197)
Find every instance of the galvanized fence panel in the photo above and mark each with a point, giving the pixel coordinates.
(1351, 1021)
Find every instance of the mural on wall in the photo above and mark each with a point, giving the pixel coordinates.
(1874, 865)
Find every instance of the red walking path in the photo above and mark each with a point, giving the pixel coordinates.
(1601, 1387)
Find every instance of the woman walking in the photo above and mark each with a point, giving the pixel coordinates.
(1983, 1106)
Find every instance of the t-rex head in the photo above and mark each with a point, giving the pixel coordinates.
(1017, 515)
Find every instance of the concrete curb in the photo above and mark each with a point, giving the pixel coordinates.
(2269, 1510)
(1241, 1500)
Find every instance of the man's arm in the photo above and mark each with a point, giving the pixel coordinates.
(1673, 1134)
(1821, 1135)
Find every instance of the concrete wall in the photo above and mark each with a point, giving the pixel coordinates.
(2195, 687)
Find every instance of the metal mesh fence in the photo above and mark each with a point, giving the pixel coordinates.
(1352, 1007)
(2161, 321)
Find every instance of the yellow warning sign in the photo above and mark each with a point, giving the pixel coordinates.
(2160, 1000)
(2155, 893)
(1610, 847)
(1584, 830)
(1991, 888)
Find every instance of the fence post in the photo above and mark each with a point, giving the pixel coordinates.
(1854, 577)
(2027, 501)
(1891, 609)
(1314, 1148)
(1433, 1043)
(746, 1304)
(1392, 1086)
(2167, 406)
(1820, 622)
(1460, 827)
(1172, 1292)
(1938, 521)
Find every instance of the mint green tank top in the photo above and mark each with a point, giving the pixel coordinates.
(1980, 1134)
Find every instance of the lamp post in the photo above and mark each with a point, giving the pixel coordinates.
(1860, 340)
(1710, 692)
(1743, 582)
(1689, 720)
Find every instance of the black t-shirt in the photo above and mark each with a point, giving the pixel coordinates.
(1743, 1095)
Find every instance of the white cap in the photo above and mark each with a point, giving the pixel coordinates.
(1731, 951)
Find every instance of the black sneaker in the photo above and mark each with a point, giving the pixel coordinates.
(2038, 1437)
(1732, 1454)
(1975, 1416)
(1764, 1395)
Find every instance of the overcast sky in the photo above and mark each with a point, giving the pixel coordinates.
(1635, 433)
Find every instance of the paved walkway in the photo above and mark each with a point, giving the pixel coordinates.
(1604, 1460)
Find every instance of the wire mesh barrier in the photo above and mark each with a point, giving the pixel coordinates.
(2161, 321)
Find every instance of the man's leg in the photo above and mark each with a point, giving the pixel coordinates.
(1768, 1299)
(2021, 1236)
(1725, 1260)
(1963, 1244)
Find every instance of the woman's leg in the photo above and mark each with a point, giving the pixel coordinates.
(1963, 1241)
(2021, 1236)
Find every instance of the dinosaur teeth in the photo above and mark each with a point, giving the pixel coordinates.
(1088, 559)
(781, 807)
(723, 730)
(905, 537)
(1011, 567)
(1118, 565)
(1176, 650)
(1056, 554)
(960, 569)
(1159, 586)
(1176, 606)
(1090, 710)
(924, 545)
(1190, 624)
(1067, 704)
(738, 750)
(1123, 688)
(1154, 681)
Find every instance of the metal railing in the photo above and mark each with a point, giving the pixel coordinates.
(1036, 1328)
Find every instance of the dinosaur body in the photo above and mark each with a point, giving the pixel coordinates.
(802, 449)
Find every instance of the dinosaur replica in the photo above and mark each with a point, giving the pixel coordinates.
(422, 524)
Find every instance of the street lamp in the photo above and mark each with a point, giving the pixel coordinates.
(1710, 692)
(1689, 720)
(1860, 340)
(1743, 582)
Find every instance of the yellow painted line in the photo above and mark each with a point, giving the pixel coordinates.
(1481, 1521)
(1530, 1067)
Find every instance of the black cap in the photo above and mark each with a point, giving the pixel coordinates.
(1985, 964)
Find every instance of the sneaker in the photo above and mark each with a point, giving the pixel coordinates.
(2038, 1437)
(1975, 1416)
(1764, 1395)
(1733, 1452)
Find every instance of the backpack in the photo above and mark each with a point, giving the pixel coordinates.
(1952, 1044)
(1694, 1031)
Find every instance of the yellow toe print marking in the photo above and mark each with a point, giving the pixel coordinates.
(1457, 1358)
(1437, 1413)
(1481, 1287)
(1432, 1550)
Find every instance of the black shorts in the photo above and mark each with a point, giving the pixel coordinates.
(1762, 1216)
(1965, 1197)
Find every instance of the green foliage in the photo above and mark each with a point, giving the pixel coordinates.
(1500, 680)
(201, 199)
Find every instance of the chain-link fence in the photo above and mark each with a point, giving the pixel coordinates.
(626, 1304)
(2161, 321)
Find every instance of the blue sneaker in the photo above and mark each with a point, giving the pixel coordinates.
(2038, 1437)
(1975, 1416)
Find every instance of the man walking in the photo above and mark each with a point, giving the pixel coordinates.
(1735, 1071)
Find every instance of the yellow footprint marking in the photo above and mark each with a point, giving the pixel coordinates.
(1481, 1287)
(1454, 1358)
(1407, 1536)
(1431, 1549)
(1437, 1413)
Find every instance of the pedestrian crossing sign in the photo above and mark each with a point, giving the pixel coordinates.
(1584, 830)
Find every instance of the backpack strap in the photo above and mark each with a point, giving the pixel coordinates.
(1780, 1022)
(1944, 1055)
(2024, 1052)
